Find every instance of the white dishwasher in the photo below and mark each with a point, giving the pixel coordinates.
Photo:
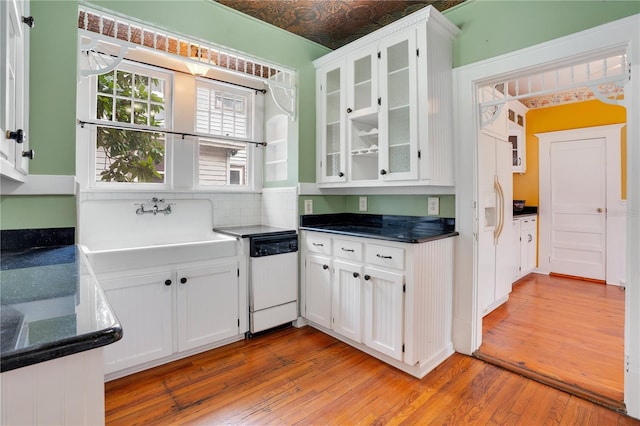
(273, 281)
(272, 272)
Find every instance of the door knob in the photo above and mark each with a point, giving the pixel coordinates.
(167, 282)
(356, 275)
(599, 209)
(183, 280)
(29, 154)
(325, 266)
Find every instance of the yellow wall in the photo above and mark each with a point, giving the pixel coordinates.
(564, 117)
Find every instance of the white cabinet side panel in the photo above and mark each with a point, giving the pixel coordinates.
(429, 303)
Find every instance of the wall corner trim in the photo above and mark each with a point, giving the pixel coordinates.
(40, 185)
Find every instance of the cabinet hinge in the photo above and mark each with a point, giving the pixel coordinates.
(417, 52)
(403, 348)
(404, 288)
(238, 271)
(379, 101)
(379, 55)
(419, 154)
(238, 322)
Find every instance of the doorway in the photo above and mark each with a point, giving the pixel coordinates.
(467, 324)
(582, 219)
(576, 179)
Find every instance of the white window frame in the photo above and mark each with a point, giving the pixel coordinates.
(181, 153)
(87, 149)
(252, 129)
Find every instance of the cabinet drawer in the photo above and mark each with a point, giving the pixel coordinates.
(318, 244)
(350, 250)
(528, 223)
(390, 257)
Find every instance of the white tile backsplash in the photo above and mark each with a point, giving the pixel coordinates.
(275, 206)
(280, 207)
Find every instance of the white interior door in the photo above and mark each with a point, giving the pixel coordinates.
(578, 205)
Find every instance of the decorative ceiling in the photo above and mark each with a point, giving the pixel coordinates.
(332, 23)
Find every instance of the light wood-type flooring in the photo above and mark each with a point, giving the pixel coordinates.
(302, 376)
(562, 331)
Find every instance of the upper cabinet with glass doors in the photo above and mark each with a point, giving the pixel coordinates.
(14, 89)
(385, 106)
(516, 126)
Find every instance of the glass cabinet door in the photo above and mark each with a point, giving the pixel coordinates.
(398, 124)
(362, 115)
(363, 83)
(332, 126)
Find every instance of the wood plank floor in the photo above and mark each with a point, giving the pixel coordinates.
(568, 331)
(303, 376)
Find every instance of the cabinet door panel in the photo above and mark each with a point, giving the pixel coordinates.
(207, 304)
(347, 299)
(383, 311)
(398, 124)
(318, 290)
(331, 124)
(142, 304)
(14, 84)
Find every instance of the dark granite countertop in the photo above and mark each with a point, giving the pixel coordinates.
(51, 306)
(404, 229)
(526, 211)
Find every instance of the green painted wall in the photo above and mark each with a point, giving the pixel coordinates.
(405, 205)
(25, 212)
(491, 27)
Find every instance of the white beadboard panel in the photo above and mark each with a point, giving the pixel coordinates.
(383, 303)
(429, 302)
(280, 207)
(62, 391)
(347, 298)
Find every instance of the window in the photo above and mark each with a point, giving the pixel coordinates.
(224, 113)
(137, 98)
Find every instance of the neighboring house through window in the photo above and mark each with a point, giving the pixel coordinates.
(224, 113)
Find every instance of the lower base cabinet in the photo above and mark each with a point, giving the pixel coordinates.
(525, 245)
(391, 300)
(169, 310)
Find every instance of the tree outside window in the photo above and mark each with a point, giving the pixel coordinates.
(130, 155)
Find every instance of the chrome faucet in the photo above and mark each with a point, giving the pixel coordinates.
(154, 209)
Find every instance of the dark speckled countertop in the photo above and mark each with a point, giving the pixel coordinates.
(404, 229)
(50, 306)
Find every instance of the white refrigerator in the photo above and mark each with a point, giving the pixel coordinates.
(495, 216)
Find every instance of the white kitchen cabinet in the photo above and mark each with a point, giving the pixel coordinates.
(385, 106)
(516, 127)
(383, 311)
(391, 300)
(170, 312)
(143, 305)
(331, 99)
(317, 282)
(14, 89)
(526, 245)
(207, 304)
(346, 300)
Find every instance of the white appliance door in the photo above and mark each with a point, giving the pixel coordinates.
(274, 280)
(505, 258)
(487, 220)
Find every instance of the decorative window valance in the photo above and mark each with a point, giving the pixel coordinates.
(123, 34)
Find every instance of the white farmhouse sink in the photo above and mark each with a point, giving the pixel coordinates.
(113, 259)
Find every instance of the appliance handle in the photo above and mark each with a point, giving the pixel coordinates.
(498, 230)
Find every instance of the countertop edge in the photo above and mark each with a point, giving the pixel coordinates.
(382, 237)
(60, 348)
